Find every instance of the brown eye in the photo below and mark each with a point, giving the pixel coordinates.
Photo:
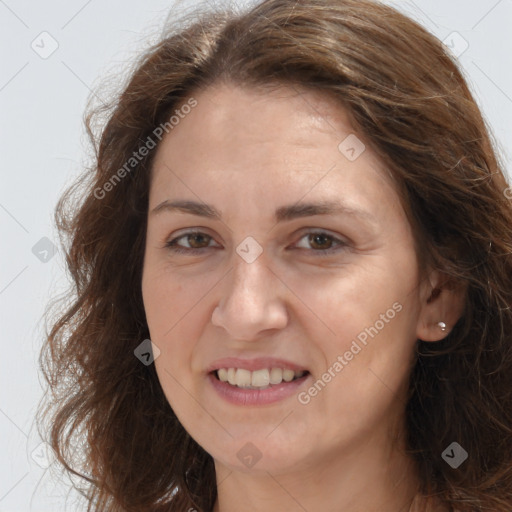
(198, 240)
(320, 241)
(194, 242)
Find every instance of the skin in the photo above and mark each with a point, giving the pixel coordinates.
(248, 152)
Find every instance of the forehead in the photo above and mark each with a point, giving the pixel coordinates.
(243, 145)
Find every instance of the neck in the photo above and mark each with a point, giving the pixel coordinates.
(372, 476)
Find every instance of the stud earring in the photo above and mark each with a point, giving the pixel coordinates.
(442, 326)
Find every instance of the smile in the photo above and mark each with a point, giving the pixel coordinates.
(258, 379)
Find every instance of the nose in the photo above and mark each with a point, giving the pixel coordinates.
(250, 303)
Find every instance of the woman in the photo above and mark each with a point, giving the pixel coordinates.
(293, 276)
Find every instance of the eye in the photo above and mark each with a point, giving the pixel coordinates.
(195, 243)
(320, 242)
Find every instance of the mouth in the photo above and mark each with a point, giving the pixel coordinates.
(261, 379)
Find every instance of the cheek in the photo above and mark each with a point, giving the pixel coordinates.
(171, 324)
(343, 303)
(185, 399)
(369, 344)
(176, 312)
(166, 298)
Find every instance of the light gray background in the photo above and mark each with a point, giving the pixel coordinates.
(43, 147)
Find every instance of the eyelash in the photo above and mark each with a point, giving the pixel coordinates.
(172, 244)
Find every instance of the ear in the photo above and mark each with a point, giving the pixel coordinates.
(443, 300)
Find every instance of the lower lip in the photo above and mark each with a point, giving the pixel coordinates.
(240, 396)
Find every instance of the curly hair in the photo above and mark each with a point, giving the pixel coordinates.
(406, 95)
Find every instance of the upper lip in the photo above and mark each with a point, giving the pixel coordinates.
(257, 363)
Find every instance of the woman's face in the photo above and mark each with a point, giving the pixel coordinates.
(274, 242)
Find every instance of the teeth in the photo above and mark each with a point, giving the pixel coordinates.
(288, 375)
(242, 378)
(231, 376)
(259, 379)
(276, 376)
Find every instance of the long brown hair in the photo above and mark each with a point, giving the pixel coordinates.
(407, 97)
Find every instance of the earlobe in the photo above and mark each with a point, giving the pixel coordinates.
(441, 309)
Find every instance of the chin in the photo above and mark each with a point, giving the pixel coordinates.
(257, 454)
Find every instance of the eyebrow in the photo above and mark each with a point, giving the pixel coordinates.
(282, 214)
